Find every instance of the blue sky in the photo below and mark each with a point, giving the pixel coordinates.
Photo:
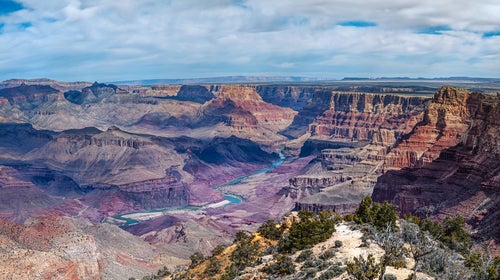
(109, 40)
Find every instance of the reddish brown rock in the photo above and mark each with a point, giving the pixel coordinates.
(377, 118)
(465, 176)
(53, 250)
(243, 108)
(445, 120)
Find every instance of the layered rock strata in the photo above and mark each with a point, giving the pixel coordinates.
(464, 176)
(446, 119)
(380, 119)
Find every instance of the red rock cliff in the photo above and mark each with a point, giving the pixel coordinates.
(462, 174)
(445, 120)
(378, 118)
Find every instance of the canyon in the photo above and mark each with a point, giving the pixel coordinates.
(76, 156)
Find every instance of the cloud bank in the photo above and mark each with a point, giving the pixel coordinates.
(110, 40)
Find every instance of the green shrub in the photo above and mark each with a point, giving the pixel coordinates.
(362, 269)
(246, 252)
(304, 256)
(433, 228)
(310, 230)
(334, 271)
(218, 250)
(163, 272)
(349, 217)
(322, 264)
(389, 276)
(196, 259)
(270, 230)
(338, 244)
(213, 267)
(283, 265)
(455, 235)
(483, 266)
(328, 254)
(379, 215)
(309, 263)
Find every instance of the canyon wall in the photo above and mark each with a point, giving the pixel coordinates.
(455, 168)
(377, 118)
(446, 119)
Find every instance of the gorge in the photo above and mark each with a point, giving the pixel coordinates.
(155, 165)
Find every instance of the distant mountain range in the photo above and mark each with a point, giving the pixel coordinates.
(223, 80)
(470, 79)
(293, 79)
(245, 80)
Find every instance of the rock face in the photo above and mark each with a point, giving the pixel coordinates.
(93, 94)
(319, 103)
(351, 133)
(241, 107)
(464, 176)
(27, 97)
(198, 94)
(63, 248)
(380, 119)
(51, 249)
(295, 97)
(445, 121)
(60, 86)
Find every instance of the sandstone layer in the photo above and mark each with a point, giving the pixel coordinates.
(446, 119)
(464, 176)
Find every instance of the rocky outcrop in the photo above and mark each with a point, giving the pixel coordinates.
(318, 104)
(60, 86)
(339, 156)
(156, 193)
(380, 119)
(27, 97)
(341, 208)
(242, 107)
(465, 176)
(72, 253)
(316, 182)
(446, 119)
(316, 146)
(194, 93)
(294, 97)
(93, 94)
(63, 248)
(159, 90)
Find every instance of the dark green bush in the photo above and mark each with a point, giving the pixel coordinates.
(218, 250)
(380, 215)
(389, 276)
(312, 229)
(196, 259)
(246, 252)
(334, 271)
(328, 254)
(283, 265)
(213, 267)
(270, 230)
(304, 256)
(364, 269)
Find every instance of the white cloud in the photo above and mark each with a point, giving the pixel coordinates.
(128, 39)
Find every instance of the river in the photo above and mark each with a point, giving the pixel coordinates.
(127, 219)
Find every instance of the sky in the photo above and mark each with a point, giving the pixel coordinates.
(110, 40)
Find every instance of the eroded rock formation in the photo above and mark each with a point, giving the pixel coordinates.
(446, 119)
(460, 142)
(380, 119)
